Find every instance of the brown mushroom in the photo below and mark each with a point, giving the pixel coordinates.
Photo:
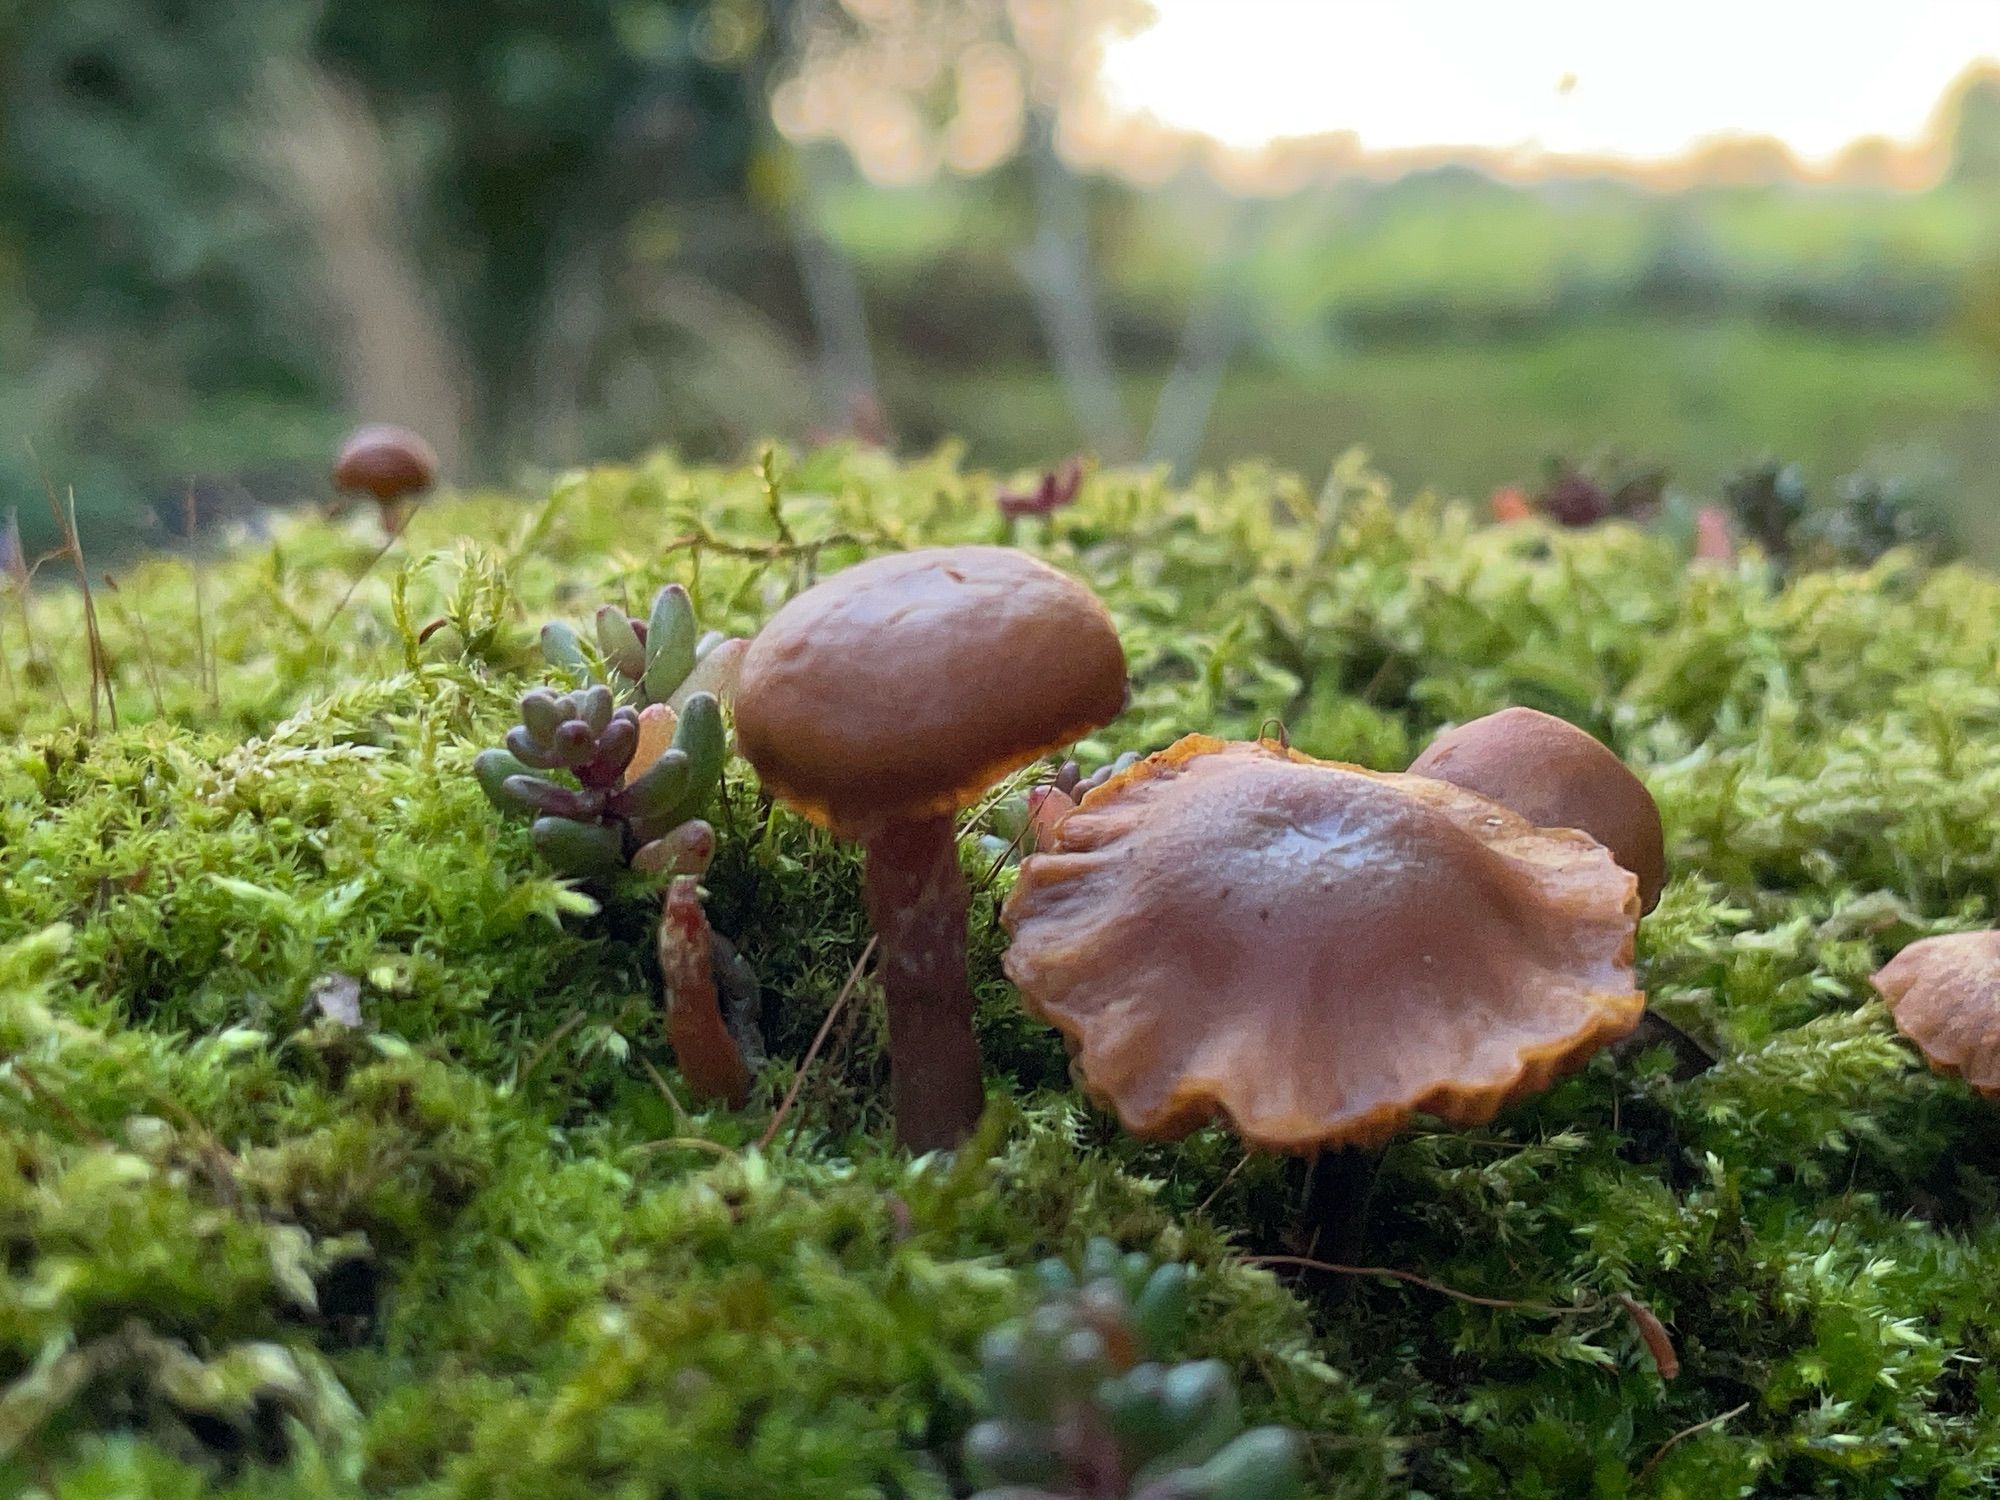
(1556, 776)
(393, 464)
(881, 702)
(1315, 951)
(1944, 993)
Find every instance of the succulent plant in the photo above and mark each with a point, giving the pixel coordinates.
(615, 785)
(1084, 1407)
(1770, 500)
(1020, 820)
(1870, 514)
(641, 780)
(643, 770)
(664, 658)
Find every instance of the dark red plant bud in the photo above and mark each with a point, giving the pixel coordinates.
(614, 752)
(556, 801)
(1574, 501)
(575, 744)
(1058, 487)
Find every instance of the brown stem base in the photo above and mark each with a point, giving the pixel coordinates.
(1340, 1188)
(918, 901)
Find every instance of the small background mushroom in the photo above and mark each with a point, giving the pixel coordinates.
(392, 464)
(1556, 776)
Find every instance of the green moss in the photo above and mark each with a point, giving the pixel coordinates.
(477, 1246)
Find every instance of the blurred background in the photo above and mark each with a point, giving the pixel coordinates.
(1493, 245)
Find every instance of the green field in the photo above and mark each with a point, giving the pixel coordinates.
(1704, 401)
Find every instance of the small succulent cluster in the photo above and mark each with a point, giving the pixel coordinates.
(663, 658)
(1868, 514)
(1770, 502)
(613, 784)
(1018, 821)
(1085, 1409)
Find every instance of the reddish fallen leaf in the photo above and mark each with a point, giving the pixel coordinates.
(708, 1056)
(1654, 1333)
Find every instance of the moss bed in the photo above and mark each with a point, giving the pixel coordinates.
(474, 1245)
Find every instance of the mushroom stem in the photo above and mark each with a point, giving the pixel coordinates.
(918, 902)
(709, 1058)
(1339, 1190)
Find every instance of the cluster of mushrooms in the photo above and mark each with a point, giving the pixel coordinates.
(1311, 951)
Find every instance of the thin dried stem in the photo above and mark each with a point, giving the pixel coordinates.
(135, 626)
(805, 1063)
(1543, 1309)
(1661, 1452)
(207, 674)
(548, 1045)
(21, 578)
(72, 547)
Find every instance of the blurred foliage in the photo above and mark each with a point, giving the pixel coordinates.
(589, 199)
(341, 1150)
(162, 312)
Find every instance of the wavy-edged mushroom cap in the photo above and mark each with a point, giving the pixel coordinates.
(1945, 995)
(387, 462)
(905, 686)
(1314, 951)
(1556, 776)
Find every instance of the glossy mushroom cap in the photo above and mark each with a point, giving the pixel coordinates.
(905, 686)
(1314, 951)
(1556, 776)
(387, 462)
(1945, 995)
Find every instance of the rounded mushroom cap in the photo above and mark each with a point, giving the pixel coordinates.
(1556, 776)
(1945, 995)
(905, 686)
(1315, 951)
(388, 462)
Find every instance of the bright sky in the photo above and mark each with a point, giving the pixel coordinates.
(1647, 77)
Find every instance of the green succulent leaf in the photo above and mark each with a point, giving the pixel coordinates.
(663, 789)
(583, 850)
(1266, 1463)
(494, 768)
(620, 643)
(700, 736)
(562, 648)
(594, 706)
(539, 714)
(1011, 1453)
(670, 643)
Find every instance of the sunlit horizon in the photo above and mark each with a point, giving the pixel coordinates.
(1552, 77)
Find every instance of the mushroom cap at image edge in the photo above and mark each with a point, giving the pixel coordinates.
(1556, 776)
(386, 462)
(905, 686)
(1316, 952)
(1944, 993)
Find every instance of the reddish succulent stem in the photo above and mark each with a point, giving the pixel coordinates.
(918, 901)
(708, 1055)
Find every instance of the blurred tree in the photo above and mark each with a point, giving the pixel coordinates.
(159, 228)
(1967, 119)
